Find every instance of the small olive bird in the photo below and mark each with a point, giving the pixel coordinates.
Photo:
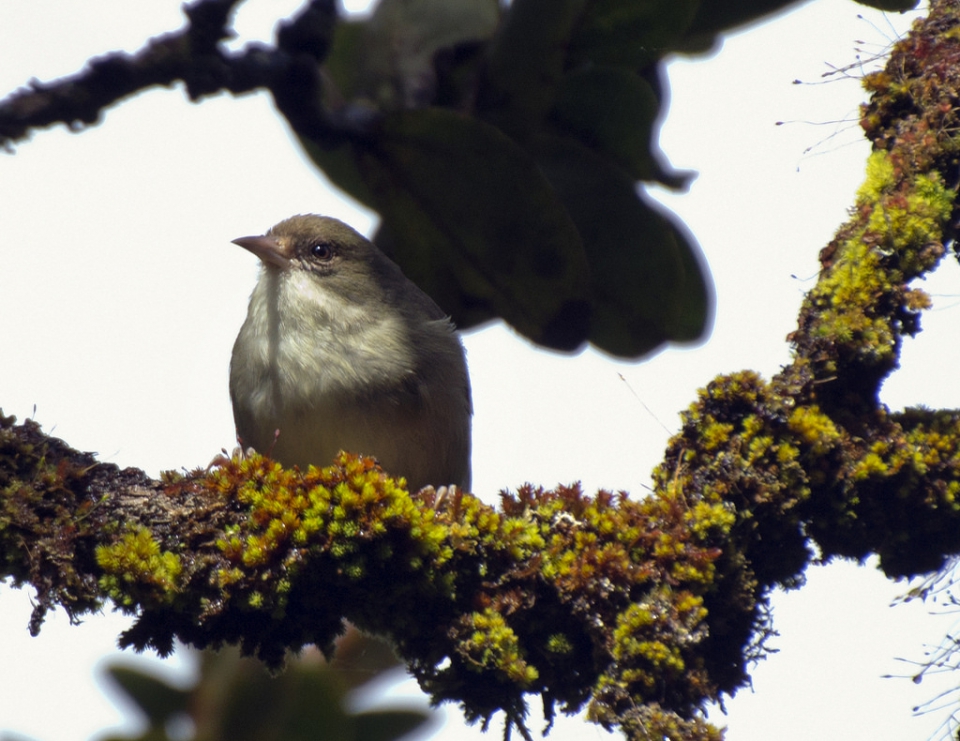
(340, 351)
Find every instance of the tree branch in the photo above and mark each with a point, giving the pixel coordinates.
(485, 605)
(192, 56)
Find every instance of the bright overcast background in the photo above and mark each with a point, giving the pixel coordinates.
(121, 296)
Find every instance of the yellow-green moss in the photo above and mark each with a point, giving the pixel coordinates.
(559, 643)
(813, 428)
(911, 222)
(880, 177)
(135, 564)
(492, 644)
(641, 649)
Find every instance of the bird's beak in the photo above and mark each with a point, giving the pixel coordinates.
(269, 249)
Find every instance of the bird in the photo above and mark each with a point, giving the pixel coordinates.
(341, 351)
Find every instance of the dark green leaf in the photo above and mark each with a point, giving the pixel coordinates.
(151, 734)
(362, 658)
(302, 704)
(339, 164)
(526, 61)
(891, 6)
(388, 60)
(387, 725)
(344, 62)
(415, 252)
(464, 203)
(715, 16)
(648, 284)
(693, 317)
(342, 72)
(157, 699)
(613, 111)
(402, 38)
(630, 33)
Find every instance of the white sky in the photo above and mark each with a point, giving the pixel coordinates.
(122, 296)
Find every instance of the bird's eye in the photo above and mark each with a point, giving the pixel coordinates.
(321, 251)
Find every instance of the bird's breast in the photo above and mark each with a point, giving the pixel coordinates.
(313, 374)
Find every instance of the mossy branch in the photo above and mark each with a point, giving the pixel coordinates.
(815, 444)
(642, 609)
(552, 593)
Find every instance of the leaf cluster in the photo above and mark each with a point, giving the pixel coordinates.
(503, 145)
(238, 699)
(464, 120)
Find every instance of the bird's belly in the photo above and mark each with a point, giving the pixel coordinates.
(315, 436)
(399, 438)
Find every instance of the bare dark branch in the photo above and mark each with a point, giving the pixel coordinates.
(195, 57)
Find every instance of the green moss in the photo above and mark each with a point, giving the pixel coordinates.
(880, 177)
(135, 566)
(559, 643)
(716, 435)
(814, 428)
(646, 648)
(493, 645)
